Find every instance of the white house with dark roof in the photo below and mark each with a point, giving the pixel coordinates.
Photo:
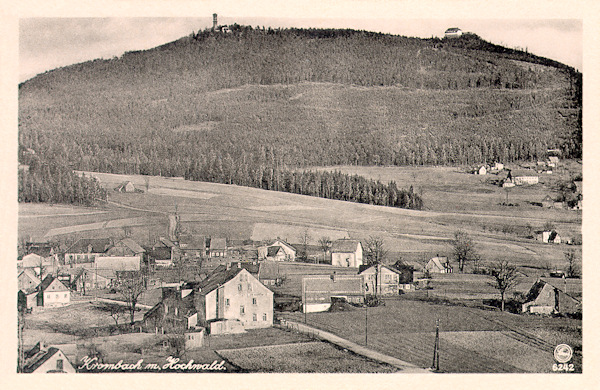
(453, 32)
(438, 265)
(41, 360)
(86, 250)
(279, 250)
(52, 293)
(346, 253)
(217, 247)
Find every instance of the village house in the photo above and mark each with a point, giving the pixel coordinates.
(28, 280)
(217, 247)
(498, 166)
(547, 202)
(229, 300)
(524, 177)
(279, 250)
(191, 247)
(548, 237)
(438, 265)
(41, 360)
(38, 264)
(87, 279)
(318, 292)
(544, 298)
(268, 273)
(86, 250)
(482, 170)
(118, 263)
(553, 160)
(52, 293)
(385, 280)
(346, 253)
(126, 248)
(126, 186)
(453, 32)
(233, 297)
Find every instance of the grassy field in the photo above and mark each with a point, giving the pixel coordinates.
(453, 199)
(312, 357)
(405, 329)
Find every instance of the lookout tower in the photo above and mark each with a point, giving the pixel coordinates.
(214, 21)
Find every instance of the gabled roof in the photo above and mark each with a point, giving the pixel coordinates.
(218, 244)
(250, 267)
(273, 250)
(159, 253)
(134, 246)
(123, 185)
(268, 270)
(364, 268)
(283, 243)
(189, 242)
(437, 261)
(29, 273)
(217, 279)
(38, 358)
(97, 245)
(163, 241)
(547, 198)
(344, 246)
(48, 280)
(453, 30)
(538, 286)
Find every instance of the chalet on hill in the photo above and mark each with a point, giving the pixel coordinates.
(544, 298)
(318, 292)
(126, 186)
(453, 32)
(346, 253)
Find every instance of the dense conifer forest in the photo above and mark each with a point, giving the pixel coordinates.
(258, 107)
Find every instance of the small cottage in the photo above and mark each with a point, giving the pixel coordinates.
(52, 293)
(438, 265)
(547, 202)
(544, 298)
(453, 32)
(346, 253)
(318, 292)
(41, 360)
(126, 186)
(285, 251)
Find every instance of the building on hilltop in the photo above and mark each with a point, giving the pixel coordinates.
(453, 32)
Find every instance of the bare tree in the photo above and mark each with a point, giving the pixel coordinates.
(325, 244)
(572, 267)
(304, 240)
(505, 277)
(464, 249)
(375, 251)
(130, 286)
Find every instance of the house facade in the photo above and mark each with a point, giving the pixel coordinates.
(318, 292)
(236, 295)
(52, 293)
(346, 253)
(453, 32)
(526, 180)
(28, 280)
(385, 280)
(218, 247)
(85, 250)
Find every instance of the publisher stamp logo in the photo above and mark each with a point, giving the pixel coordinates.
(563, 353)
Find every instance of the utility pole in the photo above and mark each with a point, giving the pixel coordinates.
(436, 348)
(366, 324)
(304, 298)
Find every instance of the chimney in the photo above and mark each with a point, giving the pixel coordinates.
(214, 21)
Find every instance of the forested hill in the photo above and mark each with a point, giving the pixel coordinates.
(206, 104)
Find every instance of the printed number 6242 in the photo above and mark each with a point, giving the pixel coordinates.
(567, 367)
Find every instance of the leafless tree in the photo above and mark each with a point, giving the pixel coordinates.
(130, 286)
(464, 249)
(572, 267)
(304, 241)
(325, 244)
(375, 251)
(505, 277)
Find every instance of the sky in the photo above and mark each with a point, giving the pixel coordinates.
(47, 43)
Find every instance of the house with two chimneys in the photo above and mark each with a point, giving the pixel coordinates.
(346, 253)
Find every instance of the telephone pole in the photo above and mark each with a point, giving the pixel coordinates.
(436, 348)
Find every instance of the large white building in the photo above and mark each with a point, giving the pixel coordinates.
(346, 253)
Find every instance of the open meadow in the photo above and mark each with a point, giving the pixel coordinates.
(453, 201)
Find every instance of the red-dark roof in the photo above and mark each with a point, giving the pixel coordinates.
(272, 250)
(38, 358)
(217, 279)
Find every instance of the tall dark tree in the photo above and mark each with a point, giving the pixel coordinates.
(505, 277)
(463, 249)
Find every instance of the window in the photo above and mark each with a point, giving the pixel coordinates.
(56, 296)
(254, 301)
(227, 302)
(59, 364)
(65, 295)
(239, 287)
(253, 316)
(249, 287)
(264, 316)
(242, 310)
